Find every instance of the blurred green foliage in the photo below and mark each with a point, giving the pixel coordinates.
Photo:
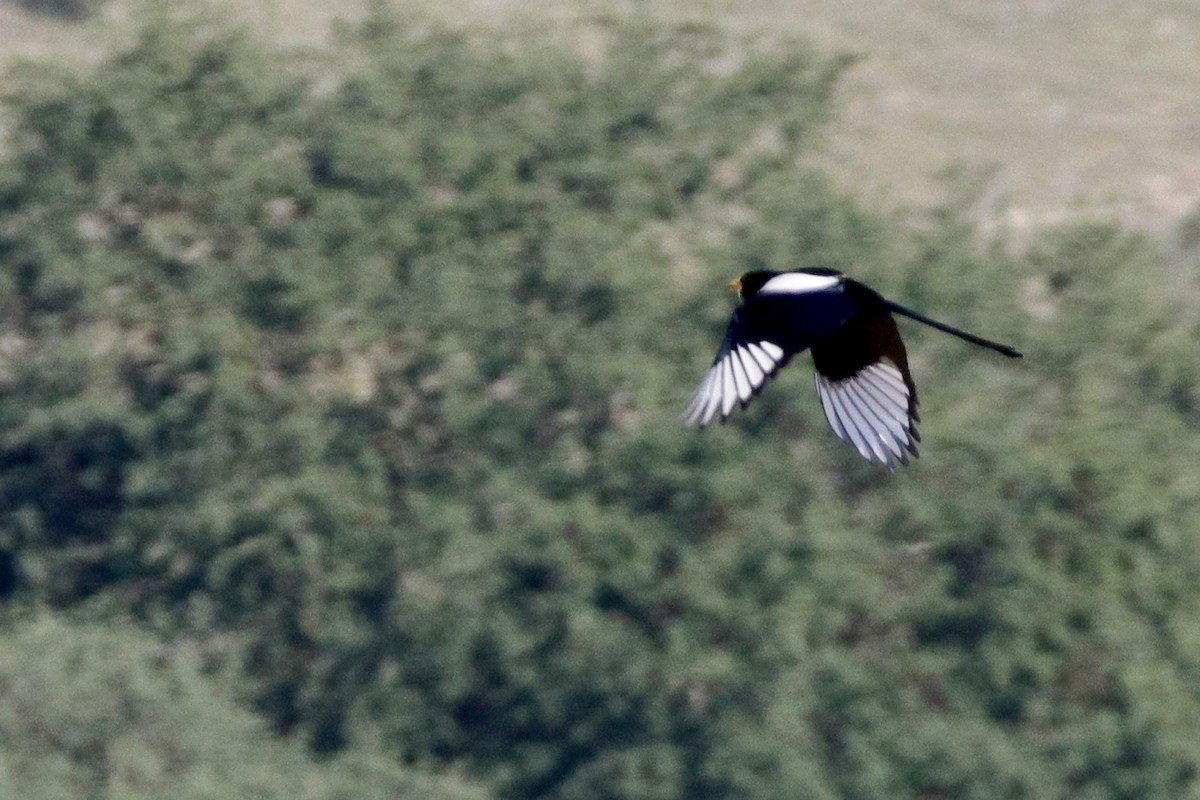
(73, 10)
(105, 711)
(355, 378)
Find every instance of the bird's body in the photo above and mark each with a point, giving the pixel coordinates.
(862, 374)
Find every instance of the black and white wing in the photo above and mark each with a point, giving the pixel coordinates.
(874, 411)
(865, 386)
(783, 314)
(744, 364)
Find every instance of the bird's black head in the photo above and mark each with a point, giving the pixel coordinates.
(748, 285)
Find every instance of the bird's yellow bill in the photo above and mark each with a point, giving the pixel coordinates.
(735, 286)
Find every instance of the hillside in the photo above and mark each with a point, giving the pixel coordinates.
(1041, 112)
(340, 452)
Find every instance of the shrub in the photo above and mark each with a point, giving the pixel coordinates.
(365, 371)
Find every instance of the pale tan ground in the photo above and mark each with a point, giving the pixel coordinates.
(1053, 109)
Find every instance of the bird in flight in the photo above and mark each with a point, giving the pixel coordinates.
(862, 375)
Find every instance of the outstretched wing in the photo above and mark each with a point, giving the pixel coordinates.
(784, 315)
(865, 386)
(746, 360)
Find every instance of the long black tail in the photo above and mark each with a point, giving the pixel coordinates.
(1003, 349)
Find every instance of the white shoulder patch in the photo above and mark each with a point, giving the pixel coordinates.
(799, 283)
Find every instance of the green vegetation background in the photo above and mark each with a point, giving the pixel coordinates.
(339, 453)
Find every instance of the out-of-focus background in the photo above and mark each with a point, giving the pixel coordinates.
(342, 350)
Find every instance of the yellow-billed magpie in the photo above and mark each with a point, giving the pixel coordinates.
(862, 373)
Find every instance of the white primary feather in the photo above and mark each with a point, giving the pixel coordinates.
(760, 356)
(870, 410)
(754, 371)
(739, 375)
(732, 380)
(773, 351)
(728, 390)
